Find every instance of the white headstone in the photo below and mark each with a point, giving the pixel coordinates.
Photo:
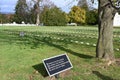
(23, 22)
(116, 21)
(14, 22)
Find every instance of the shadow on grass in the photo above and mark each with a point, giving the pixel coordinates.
(29, 39)
(34, 41)
(41, 69)
(68, 50)
(103, 77)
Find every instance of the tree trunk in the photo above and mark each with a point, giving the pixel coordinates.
(38, 19)
(38, 12)
(104, 47)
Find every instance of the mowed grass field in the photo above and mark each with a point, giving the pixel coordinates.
(22, 50)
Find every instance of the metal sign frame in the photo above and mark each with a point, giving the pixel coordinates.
(61, 70)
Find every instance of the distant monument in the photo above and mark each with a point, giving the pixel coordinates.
(116, 21)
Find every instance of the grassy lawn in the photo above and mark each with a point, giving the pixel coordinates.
(21, 56)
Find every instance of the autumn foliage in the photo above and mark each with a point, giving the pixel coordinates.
(77, 15)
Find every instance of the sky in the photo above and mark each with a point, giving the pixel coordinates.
(65, 5)
(8, 6)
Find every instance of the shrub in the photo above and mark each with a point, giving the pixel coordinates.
(92, 17)
(54, 17)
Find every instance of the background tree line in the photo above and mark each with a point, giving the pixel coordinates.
(45, 12)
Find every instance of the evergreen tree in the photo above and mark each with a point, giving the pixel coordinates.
(21, 12)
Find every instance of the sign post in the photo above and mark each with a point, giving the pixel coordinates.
(57, 64)
(57, 76)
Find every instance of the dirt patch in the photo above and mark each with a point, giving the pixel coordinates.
(62, 75)
(65, 74)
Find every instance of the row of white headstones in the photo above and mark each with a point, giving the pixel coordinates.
(76, 34)
(50, 34)
(73, 41)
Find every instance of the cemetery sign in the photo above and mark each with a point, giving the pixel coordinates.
(57, 64)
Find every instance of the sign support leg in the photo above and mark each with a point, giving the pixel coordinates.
(57, 76)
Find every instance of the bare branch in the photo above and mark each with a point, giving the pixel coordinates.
(92, 1)
(115, 4)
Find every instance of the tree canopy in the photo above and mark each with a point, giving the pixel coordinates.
(54, 17)
(77, 15)
(92, 17)
(21, 12)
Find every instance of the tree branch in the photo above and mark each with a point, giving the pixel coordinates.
(92, 1)
(115, 5)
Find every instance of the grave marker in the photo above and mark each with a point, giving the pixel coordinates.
(22, 34)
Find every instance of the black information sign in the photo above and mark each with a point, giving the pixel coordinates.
(57, 64)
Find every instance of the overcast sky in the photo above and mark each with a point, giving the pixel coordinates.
(8, 6)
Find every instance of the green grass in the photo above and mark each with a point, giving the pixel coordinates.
(21, 57)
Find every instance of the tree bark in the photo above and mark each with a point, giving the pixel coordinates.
(38, 12)
(38, 19)
(104, 47)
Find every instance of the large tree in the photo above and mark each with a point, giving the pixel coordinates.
(37, 10)
(21, 11)
(106, 10)
(54, 17)
(77, 15)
